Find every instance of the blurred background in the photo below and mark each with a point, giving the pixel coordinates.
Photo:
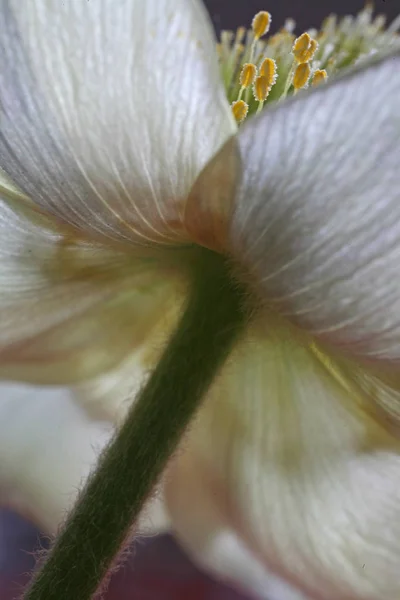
(229, 14)
(158, 568)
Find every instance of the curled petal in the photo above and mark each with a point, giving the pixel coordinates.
(210, 205)
(109, 110)
(309, 479)
(201, 520)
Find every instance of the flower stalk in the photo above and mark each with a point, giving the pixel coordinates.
(95, 534)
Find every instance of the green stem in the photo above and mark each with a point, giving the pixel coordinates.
(94, 535)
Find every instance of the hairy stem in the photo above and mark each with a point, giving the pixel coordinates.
(96, 530)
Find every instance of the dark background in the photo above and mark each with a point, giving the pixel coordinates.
(158, 569)
(229, 14)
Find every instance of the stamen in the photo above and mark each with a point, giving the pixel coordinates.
(246, 78)
(379, 23)
(261, 89)
(240, 109)
(239, 49)
(301, 45)
(289, 25)
(312, 50)
(248, 75)
(304, 48)
(226, 41)
(250, 65)
(261, 24)
(268, 69)
(301, 75)
(320, 76)
(240, 33)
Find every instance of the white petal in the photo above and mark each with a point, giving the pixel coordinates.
(317, 218)
(70, 310)
(309, 481)
(47, 448)
(202, 522)
(110, 108)
(110, 395)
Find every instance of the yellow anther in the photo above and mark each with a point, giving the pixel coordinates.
(261, 88)
(320, 75)
(309, 55)
(301, 45)
(240, 109)
(268, 69)
(304, 48)
(298, 61)
(261, 24)
(301, 75)
(248, 75)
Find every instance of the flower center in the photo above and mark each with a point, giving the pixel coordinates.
(257, 70)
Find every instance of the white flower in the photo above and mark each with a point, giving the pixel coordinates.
(117, 154)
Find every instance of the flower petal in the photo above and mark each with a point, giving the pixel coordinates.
(43, 467)
(110, 109)
(110, 395)
(47, 448)
(317, 216)
(309, 479)
(71, 310)
(202, 523)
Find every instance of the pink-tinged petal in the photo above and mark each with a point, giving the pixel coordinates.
(70, 310)
(308, 478)
(210, 206)
(110, 109)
